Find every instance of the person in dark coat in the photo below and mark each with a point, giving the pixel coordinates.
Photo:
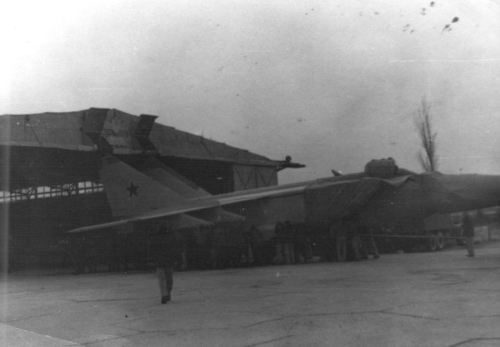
(288, 241)
(338, 231)
(162, 251)
(279, 231)
(468, 233)
(353, 235)
(302, 245)
(256, 241)
(368, 245)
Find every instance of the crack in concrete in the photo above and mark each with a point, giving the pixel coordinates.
(104, 300)
(410, 315)
(257, 286)
(487, 316)
(325, 314)
(161, 313)
(485, 290)
(280, 294)
(281, 318)
(119, 324)
(21, 336)
(99, 341)
(269, 307)
(265, 321)
(451, 278)
(137, 332)
(382, 311)
(175, 331)
(25, 318)
(388, 311)
(269, 341)
(476, 339)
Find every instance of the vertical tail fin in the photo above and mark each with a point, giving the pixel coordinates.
(187, 189)
(131, 193)
(173, 180)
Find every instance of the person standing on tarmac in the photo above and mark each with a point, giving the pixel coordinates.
(355, 239)
(162, 251)
(339, 232)
(289, 235)
(368, 245)
(279, 230)
(301, 245)
(256, 241)
(468, 233)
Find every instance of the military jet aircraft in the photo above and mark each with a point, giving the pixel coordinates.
(383, 195)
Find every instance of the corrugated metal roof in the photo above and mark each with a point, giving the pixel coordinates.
(66, 131)
(52, 130)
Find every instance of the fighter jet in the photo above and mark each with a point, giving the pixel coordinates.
(383, 195)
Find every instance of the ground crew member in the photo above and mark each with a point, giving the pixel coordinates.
(162, 251)
(368, 245)
(181, 250)
(371, 245)
(289, 235)
(355, 239)
(468, 232)
(279, 230)
(301, 245)
(256, 240)
(338, 231)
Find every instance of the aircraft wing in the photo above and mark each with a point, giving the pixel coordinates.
(177, 218)
(251, 195)
(330, 199)
(174, 219)
(102, 226)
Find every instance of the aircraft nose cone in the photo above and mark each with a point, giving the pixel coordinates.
(469, 191)
(484, 190)
(490, 185)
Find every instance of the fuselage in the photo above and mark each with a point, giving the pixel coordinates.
(397, 202)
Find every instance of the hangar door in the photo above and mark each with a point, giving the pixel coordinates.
(251, 177)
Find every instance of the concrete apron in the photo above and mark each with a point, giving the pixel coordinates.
(416, 299)
(15, 337)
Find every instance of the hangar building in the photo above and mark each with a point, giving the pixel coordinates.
(49, 181)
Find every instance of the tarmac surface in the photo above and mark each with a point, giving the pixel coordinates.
(418, 299)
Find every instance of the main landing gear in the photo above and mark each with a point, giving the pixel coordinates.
(435, 241)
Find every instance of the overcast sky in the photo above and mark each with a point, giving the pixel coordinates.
(332, 83)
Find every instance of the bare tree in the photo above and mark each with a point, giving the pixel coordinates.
(423, 122)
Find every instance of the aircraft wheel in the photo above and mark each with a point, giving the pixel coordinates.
(439, 240)
(432, 243)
